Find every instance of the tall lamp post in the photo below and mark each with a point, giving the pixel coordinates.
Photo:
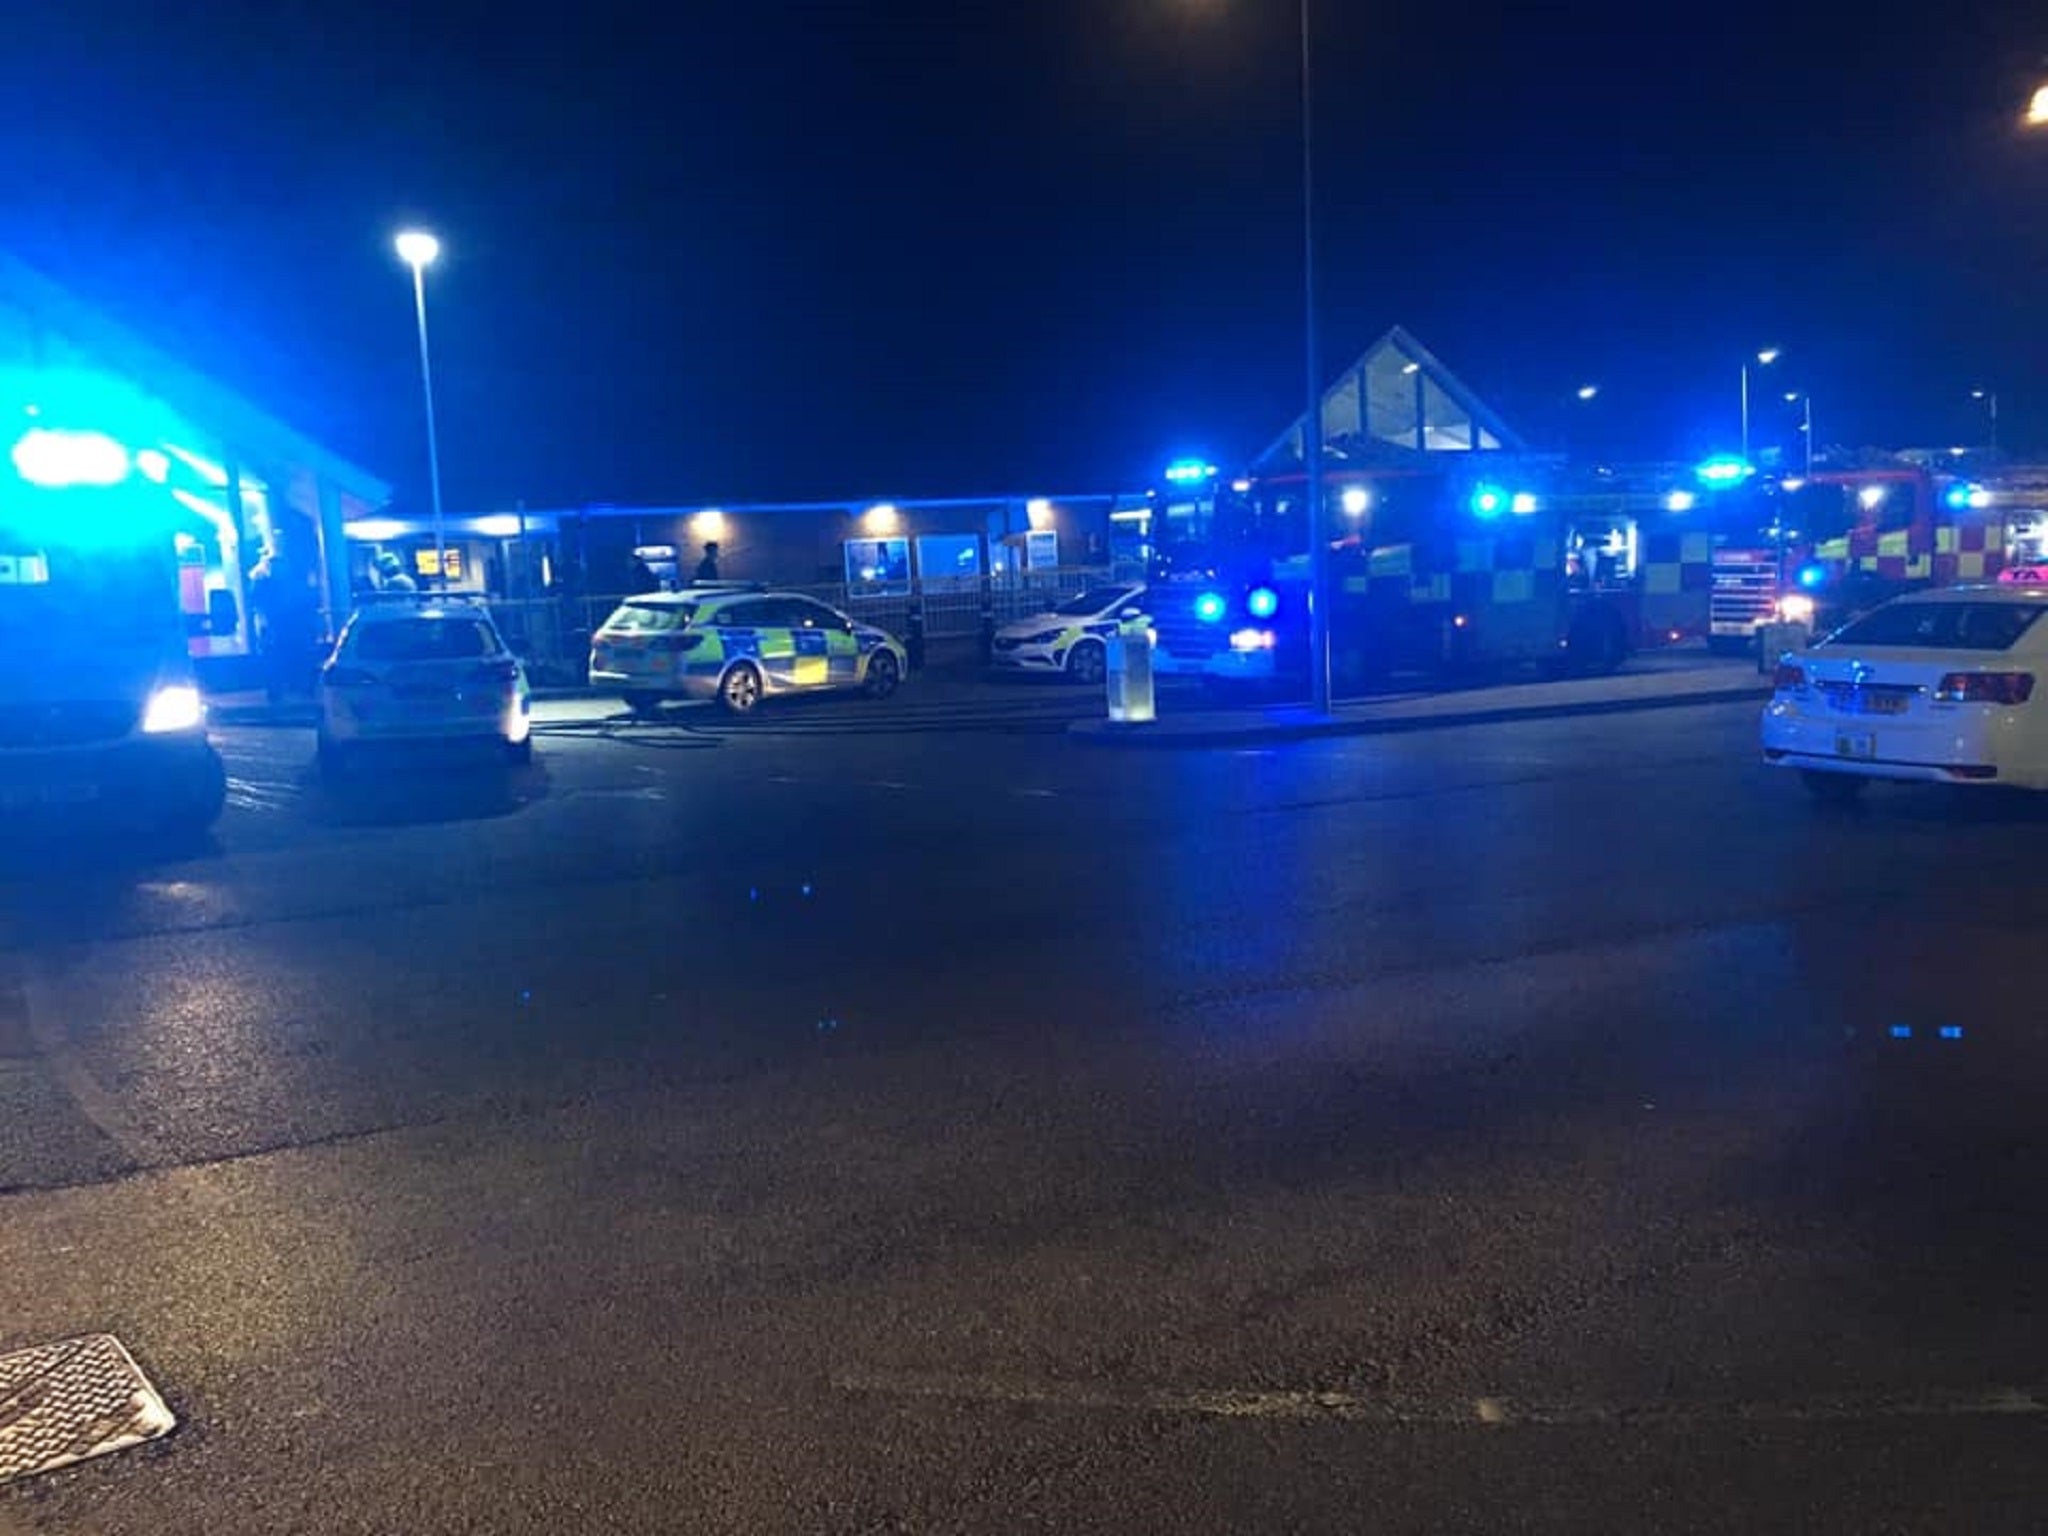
(1990, 399)
(418, 250)
(1312, 373)
(1804, 400)
(1765, 358)
(1312, 424)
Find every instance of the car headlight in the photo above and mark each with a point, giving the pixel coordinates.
(173, 707)
(1047, 638)
(1252, 640)
(1795, 609)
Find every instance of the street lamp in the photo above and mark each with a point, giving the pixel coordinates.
(1801, 398)
(1765, 358)
(418, 250)
(1588, 391)
(1312, 370)
(1990, 396)
(2037, 109)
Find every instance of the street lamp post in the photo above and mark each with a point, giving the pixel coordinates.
(1312, 424)
(1990, 399)
(1765, 358)
(1805, 401)
(418, 250)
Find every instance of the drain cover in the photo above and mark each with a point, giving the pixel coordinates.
(61, 1403)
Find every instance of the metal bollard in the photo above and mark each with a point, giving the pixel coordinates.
(1129, 674)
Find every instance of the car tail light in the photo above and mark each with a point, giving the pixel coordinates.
(1789, 677)
(348, 677)
(1985, 688)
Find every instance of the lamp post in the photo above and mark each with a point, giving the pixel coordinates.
(1990, 399)
(418, 250)
(1801, 398)
(1312, 424)
(1765, 358)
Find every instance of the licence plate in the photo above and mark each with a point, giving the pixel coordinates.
(1856, 744)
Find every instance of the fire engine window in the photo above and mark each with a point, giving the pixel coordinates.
(1602, 552)
(1820, 512)
(2026, 537)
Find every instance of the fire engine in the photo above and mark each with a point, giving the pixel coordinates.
(1819, 549)
(1501, 560)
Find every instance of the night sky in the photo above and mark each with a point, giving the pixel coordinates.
(773, 249)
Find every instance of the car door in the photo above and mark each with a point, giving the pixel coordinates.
(743, 628)
(827, 654)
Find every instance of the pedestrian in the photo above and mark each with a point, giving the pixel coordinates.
(707, 568)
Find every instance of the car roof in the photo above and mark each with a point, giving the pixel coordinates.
(418, 606)
(2004, 592)
(710, 597)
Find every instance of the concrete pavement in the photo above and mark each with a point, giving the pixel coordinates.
(800, 1125)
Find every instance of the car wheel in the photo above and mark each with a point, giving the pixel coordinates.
(330, 756)
(644, 706)
(740, 689)
(1088, 663)
(519, 753)
(1833, 788)
(1596, 645)
(883, 675)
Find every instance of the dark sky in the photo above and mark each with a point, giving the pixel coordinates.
(768, 248)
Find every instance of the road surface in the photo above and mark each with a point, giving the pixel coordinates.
(905, 1119)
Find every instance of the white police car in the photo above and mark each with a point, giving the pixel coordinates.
(737, 645)
(1942, 686)
(423, 668)
(1071, 639)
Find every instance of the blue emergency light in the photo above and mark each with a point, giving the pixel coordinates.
(1724, 469)
(1811, 576)
(1263, 603)
(1209, 607)
(1488, 501)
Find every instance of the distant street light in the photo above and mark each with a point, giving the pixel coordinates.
(1990, 396)
(1765, 358)
(1801, 397)
(2037, 109)
(419, 250)
(1588, 391)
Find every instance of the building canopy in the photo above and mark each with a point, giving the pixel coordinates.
(1398, 398)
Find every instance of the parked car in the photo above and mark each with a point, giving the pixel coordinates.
(424, 668)
(737, 647)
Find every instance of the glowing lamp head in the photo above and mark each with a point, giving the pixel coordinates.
(1209, 607)
(1263, 603)
(1768, 356)
(2037, 109)
(1355, 501)
(1588, 391)
(417, 249)
(1680, 501)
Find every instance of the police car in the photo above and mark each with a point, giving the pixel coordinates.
(421, 669)
(1941, 686)
(737, 646)
(1072, 639)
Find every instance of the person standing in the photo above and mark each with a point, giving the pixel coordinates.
(707, 568)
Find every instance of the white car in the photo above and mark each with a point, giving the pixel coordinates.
(1073, 638)
(423, 669)
(1942, 686)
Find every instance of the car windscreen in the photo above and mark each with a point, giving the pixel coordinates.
(424, 639)
(650, 618)
(1958, 626)
(1093, 601)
